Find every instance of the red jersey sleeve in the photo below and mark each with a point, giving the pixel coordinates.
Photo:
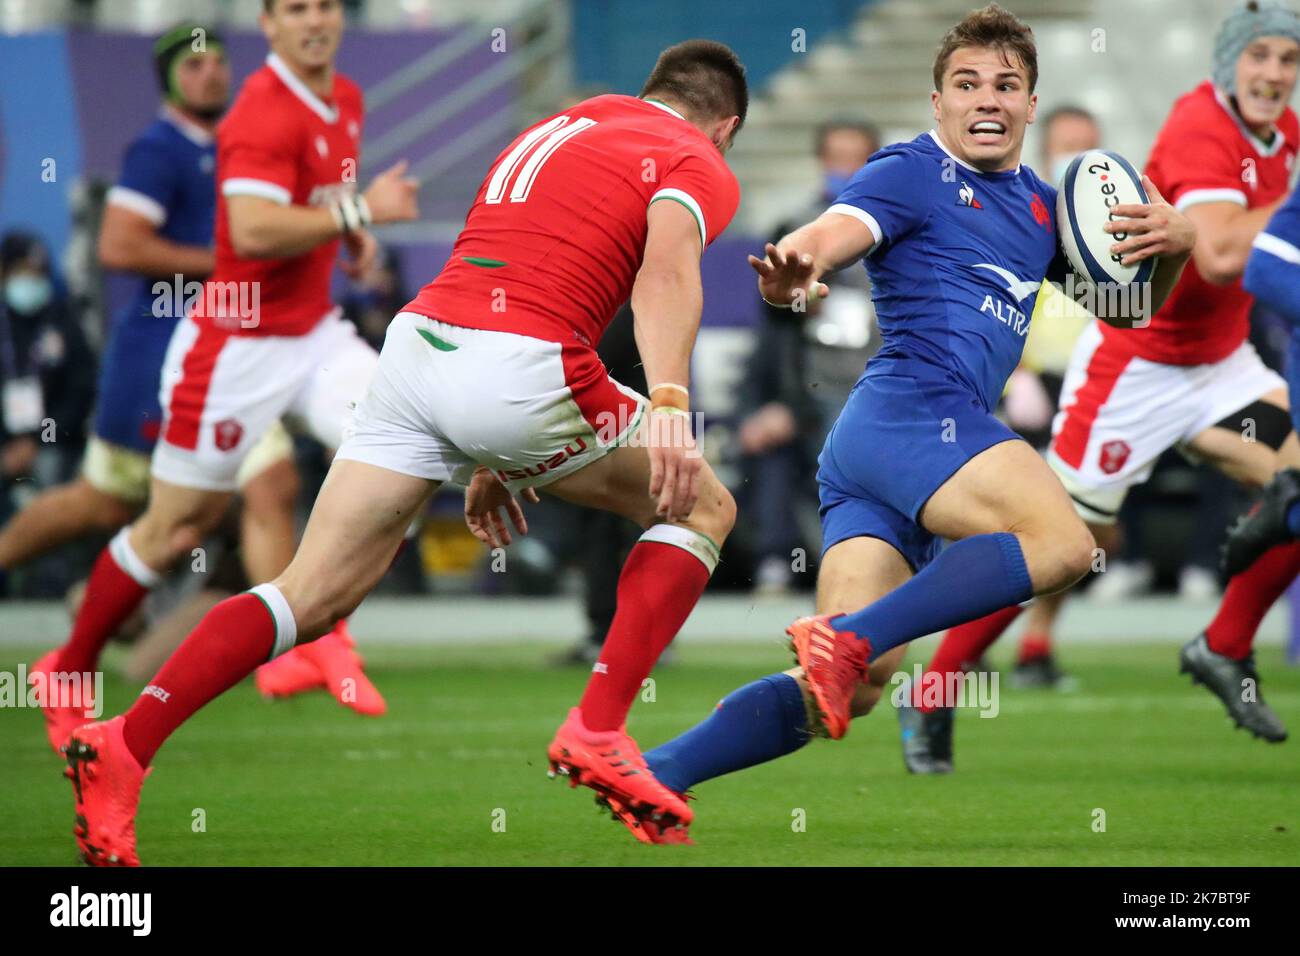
(705, 186)
(259, 158)
(1197, 160)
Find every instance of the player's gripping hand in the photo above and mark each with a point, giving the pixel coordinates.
(392, 195)
(363, 253)
(675, 462)
(787, 279)
(1154, 229)
(484, 499)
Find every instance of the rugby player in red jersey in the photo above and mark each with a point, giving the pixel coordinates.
(1190, 379)
(263, 340)
(490, 378)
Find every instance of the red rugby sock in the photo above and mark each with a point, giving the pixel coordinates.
(1033, 646)
(659, 586)
(112, 595)
(1247, 599)
(229, 643)
(962, 646)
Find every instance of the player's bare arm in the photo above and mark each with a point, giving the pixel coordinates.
(130, 242)
(263, 229)
(1225, 231)
(667, 300)
(1154, 229)
(795, 265)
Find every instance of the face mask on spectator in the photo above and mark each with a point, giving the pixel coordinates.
(1059, 167)
(27, 294)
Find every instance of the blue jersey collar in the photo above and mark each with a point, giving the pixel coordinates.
(934, 135)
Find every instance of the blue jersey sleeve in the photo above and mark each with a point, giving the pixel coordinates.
(1273, 269)
(888, 196)
(148, 182)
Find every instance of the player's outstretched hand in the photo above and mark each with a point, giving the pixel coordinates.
(1154, 228)
(363, 251)
(484, 499)
(675, 463)
(392, 195)
(786, 278)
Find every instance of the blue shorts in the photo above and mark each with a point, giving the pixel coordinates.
(128, 413)
(898, 439)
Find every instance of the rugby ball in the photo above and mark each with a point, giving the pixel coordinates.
(1095, 182)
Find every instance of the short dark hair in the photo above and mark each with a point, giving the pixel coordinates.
(706, 77)
(1068, 109)
(866, 128)
(990, 27)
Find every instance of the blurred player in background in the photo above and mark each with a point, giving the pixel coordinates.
(490, 378)
(158, 224)
(1191, 379)
(917, 454)
(263, 339)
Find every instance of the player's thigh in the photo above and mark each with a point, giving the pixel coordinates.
(1007, 487)
(355, 528)
(176, 521)
(1250, 446)
(619, 482)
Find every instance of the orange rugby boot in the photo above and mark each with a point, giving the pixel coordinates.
(610, 763)
(290, 673)
(341, 670)
(106, 782)
(834, 663)
(62, 717)
(642, 827)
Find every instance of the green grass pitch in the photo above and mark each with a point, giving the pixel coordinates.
(455, 774)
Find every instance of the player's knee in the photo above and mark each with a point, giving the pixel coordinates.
(715, 513)
(1072, 557)
(273, 493)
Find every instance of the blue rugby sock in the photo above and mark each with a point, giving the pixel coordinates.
(756, 723)
(969, 579)
(1293, 520)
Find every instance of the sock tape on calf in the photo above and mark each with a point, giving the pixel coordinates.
(697, 544)
(286, 628)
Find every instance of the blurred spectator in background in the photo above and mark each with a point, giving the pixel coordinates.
(47, 373)
(799, 374)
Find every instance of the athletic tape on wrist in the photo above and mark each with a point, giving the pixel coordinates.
(700, 545)
(351, 216)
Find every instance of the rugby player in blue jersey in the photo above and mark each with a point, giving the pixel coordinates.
(1273, 278)
(958, 237)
